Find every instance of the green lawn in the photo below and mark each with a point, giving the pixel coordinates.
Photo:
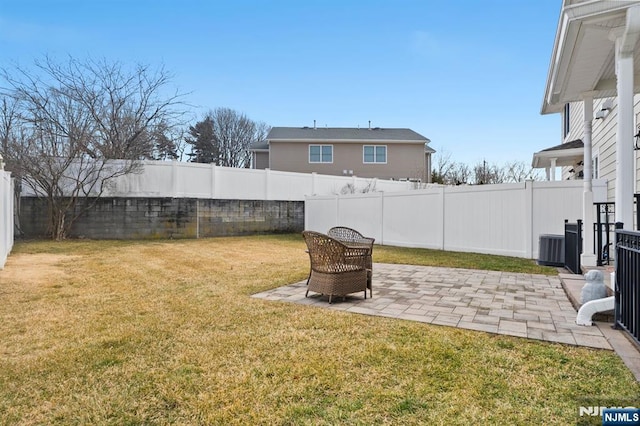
(164, 332)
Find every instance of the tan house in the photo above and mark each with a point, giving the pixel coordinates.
(368, 152)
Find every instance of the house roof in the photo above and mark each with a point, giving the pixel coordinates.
(583, 58)
(263, 145)
(565, 154)
(344, 134)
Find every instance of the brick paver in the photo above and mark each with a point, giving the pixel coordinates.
(523, 305)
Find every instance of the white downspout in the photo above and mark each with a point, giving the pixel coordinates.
(588, 257)
(587, 310)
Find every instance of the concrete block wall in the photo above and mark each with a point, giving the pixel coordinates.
(145, 218)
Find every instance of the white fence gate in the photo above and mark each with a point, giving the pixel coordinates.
(505, 219)
(6, 215)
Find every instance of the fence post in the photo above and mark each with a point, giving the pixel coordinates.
(267, 183)
(212, 191)
(382, 225)
(442, 189)
(528, 191)
(314, 177)
(174, 178)
(579, 247)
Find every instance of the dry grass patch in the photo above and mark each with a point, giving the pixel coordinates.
(165, 332)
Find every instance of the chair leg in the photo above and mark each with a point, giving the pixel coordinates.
(330, 298)
(307, 293)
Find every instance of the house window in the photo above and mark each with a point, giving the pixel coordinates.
(321, 153)
(595, 173)
(566, 121)
(375, 154)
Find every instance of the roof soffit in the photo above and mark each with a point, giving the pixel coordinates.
(583, 56)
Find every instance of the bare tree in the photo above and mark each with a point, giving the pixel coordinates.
(443, 165)
(8, 119)
(485, 173)
(519, 171)
(223, 137)
(449, 172)
(73, 119)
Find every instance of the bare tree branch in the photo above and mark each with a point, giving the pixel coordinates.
(64, 124)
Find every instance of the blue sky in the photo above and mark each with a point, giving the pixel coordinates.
(469, 75)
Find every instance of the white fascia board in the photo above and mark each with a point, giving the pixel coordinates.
(364, 141)
(571, 18)
(560, 154)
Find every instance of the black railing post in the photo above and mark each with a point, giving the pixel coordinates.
(616, 286)
(579, 247)
(572, 245)
(637, 197)
(598, 240)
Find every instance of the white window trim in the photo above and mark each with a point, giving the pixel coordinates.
(319, 162)
(386, 155)
(595, 164)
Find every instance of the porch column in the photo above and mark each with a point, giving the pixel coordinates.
(588, 257)
(624, 135)
(553, 168)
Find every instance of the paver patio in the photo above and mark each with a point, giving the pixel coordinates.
(523, 305)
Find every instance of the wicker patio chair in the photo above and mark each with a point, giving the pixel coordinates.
(353, 238)
(336, 269)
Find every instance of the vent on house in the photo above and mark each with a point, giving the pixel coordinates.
(551, 250)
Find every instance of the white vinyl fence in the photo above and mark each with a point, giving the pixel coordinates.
(192, 180)
(505, 219)
(6, 215)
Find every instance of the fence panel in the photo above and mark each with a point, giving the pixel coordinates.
(6, 216)
(551, 204)
(488, 218)
(324, 213)
(627, 287)
(505, 219)
(288, 186)
(414, 219)
(194, 180)
(352, 209)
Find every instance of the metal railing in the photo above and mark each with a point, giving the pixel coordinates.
(572, 245)
(627, 285)
(604, 233)
(637, 199)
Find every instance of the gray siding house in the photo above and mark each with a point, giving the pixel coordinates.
(369, 152)
(593, 84)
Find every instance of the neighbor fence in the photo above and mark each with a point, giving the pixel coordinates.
(505, 219)
(173, 179)
(6, 215)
